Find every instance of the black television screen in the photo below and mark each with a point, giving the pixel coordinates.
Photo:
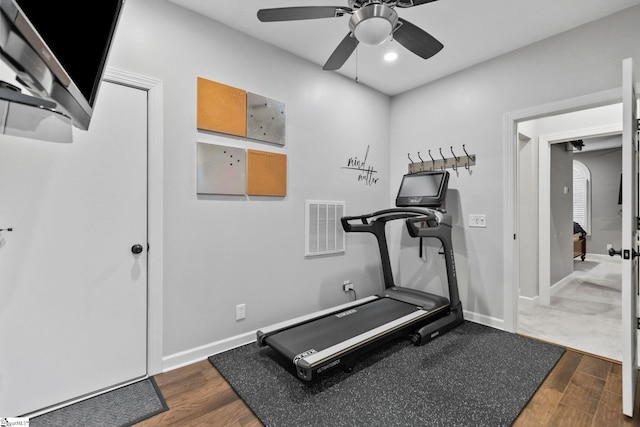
(60, 54)
(423, 189)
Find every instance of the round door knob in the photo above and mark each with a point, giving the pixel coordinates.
(136, 249)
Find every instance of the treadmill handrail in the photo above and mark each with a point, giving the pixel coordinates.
(384, 215)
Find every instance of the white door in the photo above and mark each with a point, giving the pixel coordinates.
(73, 295)
(629, 238)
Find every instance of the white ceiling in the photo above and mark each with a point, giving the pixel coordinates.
(472, 31)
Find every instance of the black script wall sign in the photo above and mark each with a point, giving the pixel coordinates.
(365, 172)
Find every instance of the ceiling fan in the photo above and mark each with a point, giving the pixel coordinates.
(371, 22)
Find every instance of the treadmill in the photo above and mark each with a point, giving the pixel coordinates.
(338, 336)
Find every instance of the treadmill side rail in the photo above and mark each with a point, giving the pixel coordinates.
(330, 357)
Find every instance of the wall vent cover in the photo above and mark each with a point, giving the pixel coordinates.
(323, 229)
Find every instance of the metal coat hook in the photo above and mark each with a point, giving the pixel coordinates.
(432, 161)
(409, 156)
(421, 161)
(455, 165)
(444, 161)
(466, 165)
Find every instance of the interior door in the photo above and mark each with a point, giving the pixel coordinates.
(73, 294)
(629, 238)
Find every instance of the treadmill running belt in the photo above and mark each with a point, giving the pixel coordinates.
(332, 329)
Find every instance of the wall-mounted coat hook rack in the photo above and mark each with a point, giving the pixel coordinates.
(454, 162)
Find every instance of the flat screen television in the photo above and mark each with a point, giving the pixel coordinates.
(59, 53)
(423, 189)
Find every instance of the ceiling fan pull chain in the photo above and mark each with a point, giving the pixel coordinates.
(357, 65)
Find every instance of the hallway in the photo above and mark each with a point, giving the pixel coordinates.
(585, 313)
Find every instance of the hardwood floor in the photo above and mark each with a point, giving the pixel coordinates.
(581, 390)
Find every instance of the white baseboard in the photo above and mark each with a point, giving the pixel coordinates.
(528, 302)
(187, 357)
(484, 320)
(556, 287)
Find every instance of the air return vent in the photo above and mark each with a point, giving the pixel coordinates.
(323, 230)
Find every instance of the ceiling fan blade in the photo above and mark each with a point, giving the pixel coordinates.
(342, 53)
(411, 3)
(416, 40)
(301, 12)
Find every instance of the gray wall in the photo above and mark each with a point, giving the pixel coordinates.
(561, 202)
(220, 251)
(469, 107)
(606, 217)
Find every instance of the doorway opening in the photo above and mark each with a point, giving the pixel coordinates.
(574, 300)
(524, 179)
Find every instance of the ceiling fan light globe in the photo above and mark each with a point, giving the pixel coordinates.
(372, 24)
(373, 31)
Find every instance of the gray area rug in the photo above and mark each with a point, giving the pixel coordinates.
(124, 406)
(471, 376)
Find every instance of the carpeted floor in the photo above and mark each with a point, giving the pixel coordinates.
(471, 376)
(117, 408)
(584, 313)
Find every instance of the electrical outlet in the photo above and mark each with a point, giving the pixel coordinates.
(347, 285)
(240, 311)
(477, 220)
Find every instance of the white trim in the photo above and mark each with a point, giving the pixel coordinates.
(560, 284)
(482, 319)
(510, 225)
(188, 357)
(528, 301)
(629, 238)
(153, 88)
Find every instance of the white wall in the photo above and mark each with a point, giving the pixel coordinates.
(222, 251)
(469, 107)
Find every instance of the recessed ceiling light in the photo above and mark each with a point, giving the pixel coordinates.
(390, 56)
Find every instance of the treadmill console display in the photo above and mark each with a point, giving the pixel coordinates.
(423, 189)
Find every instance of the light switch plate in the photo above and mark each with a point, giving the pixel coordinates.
(477, 220)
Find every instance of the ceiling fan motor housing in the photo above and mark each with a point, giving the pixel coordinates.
(373, 23)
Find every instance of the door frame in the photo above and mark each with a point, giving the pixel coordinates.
(153, 88)
(510, 167)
